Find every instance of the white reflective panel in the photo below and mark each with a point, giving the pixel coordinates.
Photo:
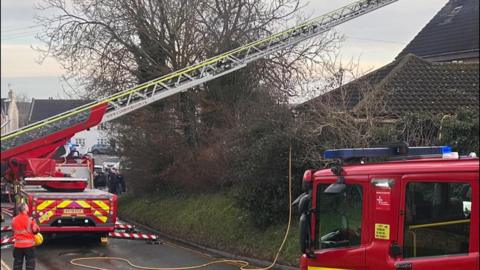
(451, 155)
(383, 183)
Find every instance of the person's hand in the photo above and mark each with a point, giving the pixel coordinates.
(35, 227)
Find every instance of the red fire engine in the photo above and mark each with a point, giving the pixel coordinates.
(59, 190)
(419, 211)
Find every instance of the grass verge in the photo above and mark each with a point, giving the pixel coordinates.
(214, 221)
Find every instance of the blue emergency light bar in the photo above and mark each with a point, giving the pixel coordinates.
(385, 152)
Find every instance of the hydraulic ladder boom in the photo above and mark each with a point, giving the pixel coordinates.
(40, 136)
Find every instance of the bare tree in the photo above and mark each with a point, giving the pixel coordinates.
(349, 112)
(109, 45)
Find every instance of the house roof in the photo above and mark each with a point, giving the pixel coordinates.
(4, 106)
(23, 112)
(44, 108)
(411, 84)
(451, 35)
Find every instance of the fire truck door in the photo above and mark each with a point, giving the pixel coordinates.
(439, 224)
(383, 221)
(339, 225)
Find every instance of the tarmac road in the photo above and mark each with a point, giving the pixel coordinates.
(57, 254)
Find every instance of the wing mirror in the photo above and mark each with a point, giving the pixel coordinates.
(337, 187)
(304, 206)
(303, 203)
(304, 233)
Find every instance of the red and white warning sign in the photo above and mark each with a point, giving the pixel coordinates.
(7, 240)
(6, 228)
(133, 236)
(383, 199)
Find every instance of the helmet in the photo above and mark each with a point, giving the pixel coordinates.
(38, 239)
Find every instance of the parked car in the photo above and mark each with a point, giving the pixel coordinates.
(101, 149)
(107, 166)
(98, 169)
(100, 177)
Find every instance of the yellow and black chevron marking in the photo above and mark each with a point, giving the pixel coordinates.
(83, 204)
(44, 204)
(100, 216)
(46, 217)
(99, 209)
(102, 205)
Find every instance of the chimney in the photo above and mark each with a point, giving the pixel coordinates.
(11, 95)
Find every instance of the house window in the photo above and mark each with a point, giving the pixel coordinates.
(80, 142)
(102, 127)
(102, 141)
(437, 220)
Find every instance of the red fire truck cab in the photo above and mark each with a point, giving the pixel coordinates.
(419, 212)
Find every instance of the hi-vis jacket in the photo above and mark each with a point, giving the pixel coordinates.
(23, 231)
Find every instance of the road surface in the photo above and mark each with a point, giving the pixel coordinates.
(57, 254)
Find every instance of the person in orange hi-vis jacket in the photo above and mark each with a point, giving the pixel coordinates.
(24, 229)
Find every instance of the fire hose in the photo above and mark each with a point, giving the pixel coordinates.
(241, 264)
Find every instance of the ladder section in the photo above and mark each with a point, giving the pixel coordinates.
(221, 65)
(131, 99)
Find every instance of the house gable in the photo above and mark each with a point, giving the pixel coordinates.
(452, 35)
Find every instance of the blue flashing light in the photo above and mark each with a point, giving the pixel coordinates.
(385, 152)
(358, 152)
(446, 149)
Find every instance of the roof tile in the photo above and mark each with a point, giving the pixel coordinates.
(415, 85)
(44, 108)
(453, 31)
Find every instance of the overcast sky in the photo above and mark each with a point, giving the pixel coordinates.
(375, 39)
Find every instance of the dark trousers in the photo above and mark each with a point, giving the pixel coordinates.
(28, 253)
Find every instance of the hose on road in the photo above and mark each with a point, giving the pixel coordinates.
(241, 264)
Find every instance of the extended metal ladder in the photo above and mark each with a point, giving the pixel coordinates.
(131, 99)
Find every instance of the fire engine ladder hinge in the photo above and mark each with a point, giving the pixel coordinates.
(131, 99)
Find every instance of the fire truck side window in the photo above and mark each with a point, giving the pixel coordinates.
(437, 219)
(339, 217)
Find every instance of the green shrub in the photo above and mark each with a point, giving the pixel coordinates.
(461, 132)
(260, 168)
